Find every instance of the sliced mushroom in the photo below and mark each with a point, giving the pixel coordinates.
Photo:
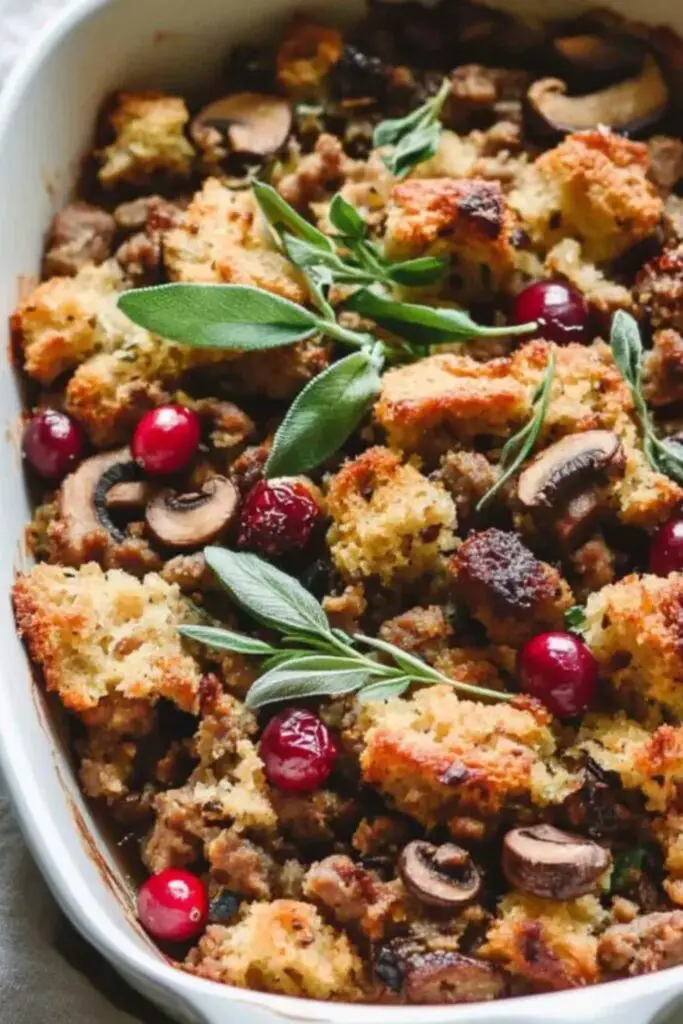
(578, 517)
(189, 520)
(441, 876)
(595, 61)
(245, 123)
(445, 976)
(544, 861)
(121, 474)
(81, 501)
(569, 464)
(630, 106)
(130, 495)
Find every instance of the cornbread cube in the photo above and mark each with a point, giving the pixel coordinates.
(149, 139)
(94, 634)
(283, 946)
(651, 942)
(388, 520)
(437, 756)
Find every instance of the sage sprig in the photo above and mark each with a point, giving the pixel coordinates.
(518, 448)
(314, 659)
(664, 456)
(415, 138)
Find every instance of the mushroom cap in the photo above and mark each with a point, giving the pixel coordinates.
(544, 861)
(569, 464)
(187, 521)
(629, 106)
(253, 124)
(77, 498)
(441, 876)
(593, 61)
(445, 976)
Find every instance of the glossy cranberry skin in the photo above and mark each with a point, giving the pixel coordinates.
(277, 516)
(666, 548)
(297, 750)
(560, 310)
(166, 439)
(53, 444)
(560, 670)
(173, 906)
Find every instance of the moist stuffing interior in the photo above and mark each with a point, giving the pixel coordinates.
(442, 849)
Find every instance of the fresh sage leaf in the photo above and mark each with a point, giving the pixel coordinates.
(668, 456)
(325, 414)
(626, 346)
(281, 216)
(384, 690)
(293, 684)
(391, 131)
(627, 866)
(225, 316)
(414, 149)
(226, 640)
(415, 137)
(269, 595)
(418, 272)
(575, 618)
(346, 219)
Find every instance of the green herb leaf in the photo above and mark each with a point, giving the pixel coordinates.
(667, 456)
(424, 325)
(391, 131)
(293, 684)
(414, 149)
(627, 347)
(226, 640)
(225, 316)
(415, 273)
(575, 618)
(415, 137)
(384, 691)
(283, 217)
(325, 414)
(269, 595)
(346, 219)
(627, 866)
(520, 446)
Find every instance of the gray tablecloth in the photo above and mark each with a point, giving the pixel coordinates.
(48, 974)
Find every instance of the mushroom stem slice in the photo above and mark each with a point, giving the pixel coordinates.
(630, 106)
(186, 521)
(569, 464)
(441, 876)
(555, 865)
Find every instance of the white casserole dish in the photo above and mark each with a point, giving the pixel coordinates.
(47, 112)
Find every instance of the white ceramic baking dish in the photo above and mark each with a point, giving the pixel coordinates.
(46, 117)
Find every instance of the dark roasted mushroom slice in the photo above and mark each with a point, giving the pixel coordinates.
(187, 521)
(595, 61)
(82, 497)
(445, 976)
(128, 495)
(245, 124)
(630, 106)
(569, 464)
(441, 876)
(544, 861)
(124, 474)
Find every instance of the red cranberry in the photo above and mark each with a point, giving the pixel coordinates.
(173, 905)
(298, 750)
(277, 516)
(560, 670)
(560, 310)
(166, 439)
(666, 548)
(53, 444)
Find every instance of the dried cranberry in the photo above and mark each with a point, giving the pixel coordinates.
(173, 905)
(560, 311)
(277, 516)
(53, 444)
(298, 750)
(560, 670)
(666, 549)
(166, 439)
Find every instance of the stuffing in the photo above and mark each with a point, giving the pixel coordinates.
(306, 55)
(490, 155)
(507, 588)
(467, 219)
(149, 139)
(316, 173)
(666, 161)
(668, 831)
(422, 631)
(594, 187)
(222, 238)
(651, 942)
(387, 519)
(282, 947)
(351, 894)
(437, 756)
(659, 289)
(566, 260)
(94, 634)
(663, 368)
(635, 628)
(80, 235)
(550, 945)
(467, 476)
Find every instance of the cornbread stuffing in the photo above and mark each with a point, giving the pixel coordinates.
(440, 759)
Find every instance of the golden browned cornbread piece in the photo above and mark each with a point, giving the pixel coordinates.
(551, 945)
(635, 630)
(651, 942)
(223, 238)
(592, 186)
(149, 139)
(94, 634)
(283, 947)
(507, 588)
(388, 520)
(436, 756)
(466, 218)
(566, 260)
(669, 834)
